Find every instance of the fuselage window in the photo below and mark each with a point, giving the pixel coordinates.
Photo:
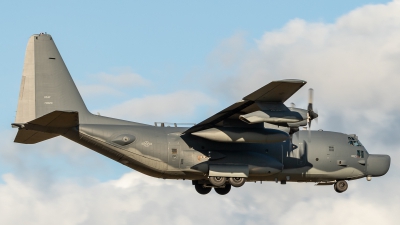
(354, 142)
(362, 154)
(358, 153)
(174, 152)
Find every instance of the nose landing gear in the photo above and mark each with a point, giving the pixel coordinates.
(340, 186)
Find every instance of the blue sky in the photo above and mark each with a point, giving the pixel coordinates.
(184, 61)
(152, 39)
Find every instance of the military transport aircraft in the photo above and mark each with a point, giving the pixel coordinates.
(255, 139)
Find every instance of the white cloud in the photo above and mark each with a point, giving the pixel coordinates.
(330, 56)
(95, 90)
(136, 198)
(352, 65)
(111, 84)
(178, 106)
(53, 159)
(123, 78)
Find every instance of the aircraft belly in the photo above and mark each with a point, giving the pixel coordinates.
(344, 173)
(132, 158)
(263, 171)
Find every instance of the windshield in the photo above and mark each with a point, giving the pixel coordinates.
(354, 142)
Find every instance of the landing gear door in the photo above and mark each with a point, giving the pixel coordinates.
(302, 153)
(186, 159)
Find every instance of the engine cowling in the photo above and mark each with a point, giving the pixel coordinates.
(240, 134)
(274, 117)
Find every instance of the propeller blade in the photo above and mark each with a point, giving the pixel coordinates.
(310, 114)
(310, 99)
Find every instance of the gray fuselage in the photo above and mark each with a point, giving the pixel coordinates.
(165, 152)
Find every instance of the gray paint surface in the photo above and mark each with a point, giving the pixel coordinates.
(232, 143)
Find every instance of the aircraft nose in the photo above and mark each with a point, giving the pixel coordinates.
(377, 165)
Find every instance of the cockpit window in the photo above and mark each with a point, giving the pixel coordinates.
(354, 142)
(360, 154)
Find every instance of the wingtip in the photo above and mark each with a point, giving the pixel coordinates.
(17, 125)
(291, 81)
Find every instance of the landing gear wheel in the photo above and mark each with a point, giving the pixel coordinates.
(202, 190)
(237, 181)
(223, 191)
(217, 181)
(341, 186)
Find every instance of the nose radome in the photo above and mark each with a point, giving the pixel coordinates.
(378, 165)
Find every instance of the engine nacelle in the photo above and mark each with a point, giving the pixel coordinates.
(246, 135)
(273, 117)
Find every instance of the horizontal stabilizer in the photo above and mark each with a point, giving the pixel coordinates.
(46, 127)
(32, 136)
(61, 119)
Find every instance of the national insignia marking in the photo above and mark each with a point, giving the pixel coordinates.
(147, 144)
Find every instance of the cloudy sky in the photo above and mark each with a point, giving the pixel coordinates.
(181, 62)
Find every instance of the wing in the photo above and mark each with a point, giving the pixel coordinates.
(271, 96)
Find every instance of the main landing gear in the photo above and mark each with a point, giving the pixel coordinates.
(340, 186)
(201, 189)
(221, 185)
(223, 190)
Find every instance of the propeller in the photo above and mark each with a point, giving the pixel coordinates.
(292, 105)
(311, 114)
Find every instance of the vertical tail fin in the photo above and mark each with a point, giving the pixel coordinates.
(46, 84)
